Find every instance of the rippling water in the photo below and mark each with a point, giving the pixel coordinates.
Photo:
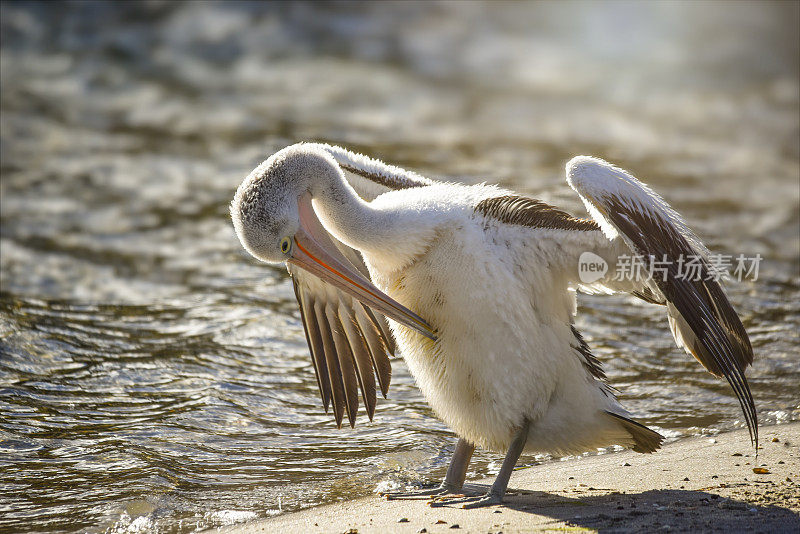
(153, 376)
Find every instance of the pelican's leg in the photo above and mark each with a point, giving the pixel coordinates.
(498, 489)
(453, 481)
(457, 470)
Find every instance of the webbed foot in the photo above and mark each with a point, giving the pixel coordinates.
(468, 502)
(490, 499)
(439, 491)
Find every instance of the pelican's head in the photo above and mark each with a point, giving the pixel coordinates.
(275, 221)
(265, 208)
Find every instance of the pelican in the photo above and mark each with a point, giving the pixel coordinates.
(475, 286)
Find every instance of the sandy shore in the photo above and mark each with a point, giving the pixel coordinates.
(693, 485)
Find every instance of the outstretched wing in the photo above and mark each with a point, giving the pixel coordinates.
(346, 344)
(347, 340)
(700, 316)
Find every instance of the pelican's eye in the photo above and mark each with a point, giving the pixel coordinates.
(286, 245)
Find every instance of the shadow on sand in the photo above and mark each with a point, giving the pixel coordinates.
(668, 510)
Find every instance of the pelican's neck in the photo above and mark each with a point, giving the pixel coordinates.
(389, 237)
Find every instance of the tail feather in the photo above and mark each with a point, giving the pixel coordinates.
(645, 440)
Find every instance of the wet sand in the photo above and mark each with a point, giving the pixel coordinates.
(694, 485)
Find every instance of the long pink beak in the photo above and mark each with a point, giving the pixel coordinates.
(314, 252)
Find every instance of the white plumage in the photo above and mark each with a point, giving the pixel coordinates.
(478, 285)
(501, 313)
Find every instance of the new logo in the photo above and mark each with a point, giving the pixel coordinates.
(591, 267)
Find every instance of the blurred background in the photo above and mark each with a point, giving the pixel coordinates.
(155, 377)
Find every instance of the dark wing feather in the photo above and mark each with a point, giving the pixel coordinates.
(332, 360)
(346, 364)
(314, 340)
(524, 211)
(700, 314)
(382, 325)
(361, 357)
(355, 259)
(377, 345)
(701, 318)
(347, 346)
